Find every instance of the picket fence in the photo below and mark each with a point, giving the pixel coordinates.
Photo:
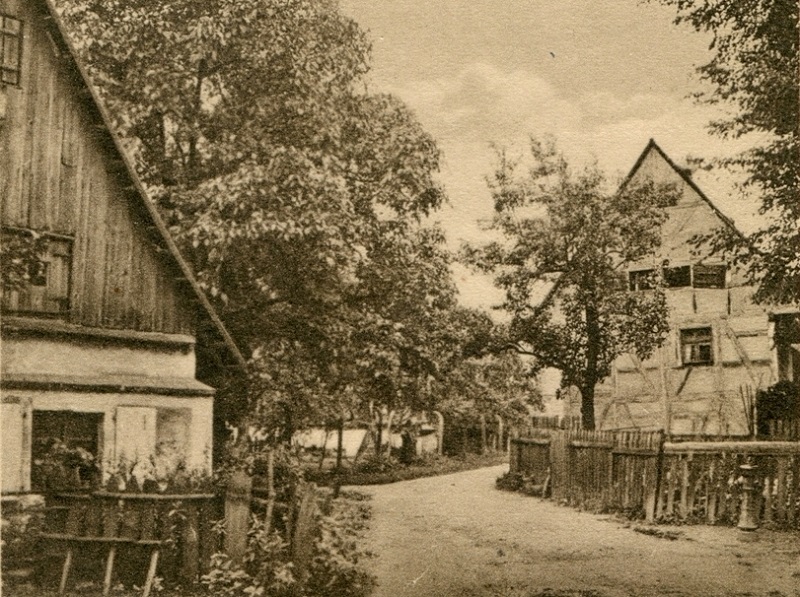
(644, 475)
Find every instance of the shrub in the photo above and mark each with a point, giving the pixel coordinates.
(510, 481)
(268, 571)
(779, 401)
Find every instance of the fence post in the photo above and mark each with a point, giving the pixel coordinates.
(237, 515)
(653, 496)
(302, 537)
(191, 543)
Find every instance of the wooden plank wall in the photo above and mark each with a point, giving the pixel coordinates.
(58, 174)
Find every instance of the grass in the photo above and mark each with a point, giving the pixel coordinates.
(374, 471)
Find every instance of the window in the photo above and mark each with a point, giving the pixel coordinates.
(709, 276)
(678, 277)
(697, 346)
(682, 276)
(10, 50)
(65, 448)
(48, 281)
(642, 279)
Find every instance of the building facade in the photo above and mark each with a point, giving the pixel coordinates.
(111, 346)
(719, 351)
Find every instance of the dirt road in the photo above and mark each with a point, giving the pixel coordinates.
(457, 535)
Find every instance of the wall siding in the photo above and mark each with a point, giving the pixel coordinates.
(55, 176)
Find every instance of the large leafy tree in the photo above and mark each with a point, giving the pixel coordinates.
(565, 245)
(755, 70)
(297, 195)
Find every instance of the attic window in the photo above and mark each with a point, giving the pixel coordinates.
(10, 50)
(678, 277)
(46, 291)
(709, 276)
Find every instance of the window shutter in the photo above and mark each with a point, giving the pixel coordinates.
(135, 435)
(13, 423)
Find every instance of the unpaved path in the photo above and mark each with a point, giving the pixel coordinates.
(458, 535)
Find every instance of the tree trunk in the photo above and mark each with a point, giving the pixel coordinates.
(379, 435)
(270, 489)
(340, 445)
(389, 421)
(483, 435)
(439, 432)
(323, 451)
(592, 356)
(499, 443)
(194, 135)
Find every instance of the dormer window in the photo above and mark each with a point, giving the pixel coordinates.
(10, 50)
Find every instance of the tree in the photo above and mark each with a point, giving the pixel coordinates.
(20, 258)
(755, 69)
(296, 194)
(565, 245)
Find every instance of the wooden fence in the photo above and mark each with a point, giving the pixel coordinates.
(296, 519)
(173, 532)
(641, 474)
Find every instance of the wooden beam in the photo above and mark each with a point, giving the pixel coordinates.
(638, 364)
(733, 447)
(741, 352)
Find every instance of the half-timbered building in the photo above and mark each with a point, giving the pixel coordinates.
(719, 352)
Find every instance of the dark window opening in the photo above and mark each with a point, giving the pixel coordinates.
(10, 50)
(65, 449)
(697, 346)
(47, 287)
(641, 279)
(709, 276)
(678, 277)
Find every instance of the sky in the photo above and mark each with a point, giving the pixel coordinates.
(603, 77)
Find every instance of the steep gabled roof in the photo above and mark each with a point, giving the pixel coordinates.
(137, 196)
(685, 176)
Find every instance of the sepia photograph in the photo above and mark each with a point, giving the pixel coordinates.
(395, 298)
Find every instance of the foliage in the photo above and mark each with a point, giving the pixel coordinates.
(490, 386)
(21, 524)
(565, 246)
(779, 401)
(20, 258)
(268, 571)
(337, 566)
(509, 481)
(60, 467)
(429, 465)
(754, 70)
(297, 195)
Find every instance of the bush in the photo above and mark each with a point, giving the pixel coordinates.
(21, 525)
(268, 571)
(510, 482)
(780, 401)
(428, 465)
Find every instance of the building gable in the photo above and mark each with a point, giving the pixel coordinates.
(693, 215)
(63, 173)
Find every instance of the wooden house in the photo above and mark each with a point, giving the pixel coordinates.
(112, 346)
(719, 351)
